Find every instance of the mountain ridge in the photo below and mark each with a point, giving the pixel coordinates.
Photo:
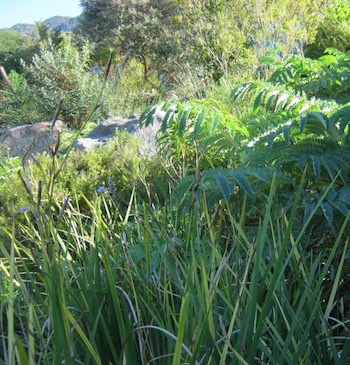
(63, 23)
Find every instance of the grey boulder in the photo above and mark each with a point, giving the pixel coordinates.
(107, 130)
(30, 139)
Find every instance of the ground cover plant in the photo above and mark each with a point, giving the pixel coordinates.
(229, 245)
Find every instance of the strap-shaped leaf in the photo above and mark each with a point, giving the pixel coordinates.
(259, 172)
(215, 122)
(330, 167)
(259, 99)
(271, 137)
(294, 102)
(183, 119)
(342, 118)
(148, 115)
(341, 207)
(309, 207)
(303, 121)
(319, 117)
(315, 122)
(344, 194)
(286, 132)
(282, 100)
(241, 91)
(302, 162)
(305, 107)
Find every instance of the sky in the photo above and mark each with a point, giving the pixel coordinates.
(30, 11)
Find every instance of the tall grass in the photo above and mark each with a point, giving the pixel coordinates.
(149, 285)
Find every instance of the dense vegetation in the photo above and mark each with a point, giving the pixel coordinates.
(230, 244)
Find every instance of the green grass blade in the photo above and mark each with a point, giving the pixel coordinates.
(83, 336)
(181, 330)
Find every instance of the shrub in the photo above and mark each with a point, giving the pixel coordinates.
(17, 106)
(64, 73)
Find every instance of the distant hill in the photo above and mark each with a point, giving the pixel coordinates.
(27, 29)
(64, 23)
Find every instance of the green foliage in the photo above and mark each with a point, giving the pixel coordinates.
(46, 34)
(68, 73)
(230, 37)
(333, 31)
(291, 130)
(326, 77)
(13, 48)
(196, 132)
(202, 32)
(230, 246)
(299, 127)
(55, 73)
(17, 107)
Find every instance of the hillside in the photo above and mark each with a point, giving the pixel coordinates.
(64, 23)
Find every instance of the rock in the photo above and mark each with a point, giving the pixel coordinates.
(106, 131)
(30, 139)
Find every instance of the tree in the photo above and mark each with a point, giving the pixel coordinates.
(47, 35)
(146, 28)
(222, 37)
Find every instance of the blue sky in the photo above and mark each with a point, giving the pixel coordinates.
(31, 11)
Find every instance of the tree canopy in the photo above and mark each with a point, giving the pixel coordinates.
(147, 28)
(218, 35)
(14, 47)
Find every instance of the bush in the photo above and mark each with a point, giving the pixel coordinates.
(18, 107)
(64, 73)
(55, 74)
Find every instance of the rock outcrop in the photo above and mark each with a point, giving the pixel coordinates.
(30, 139)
